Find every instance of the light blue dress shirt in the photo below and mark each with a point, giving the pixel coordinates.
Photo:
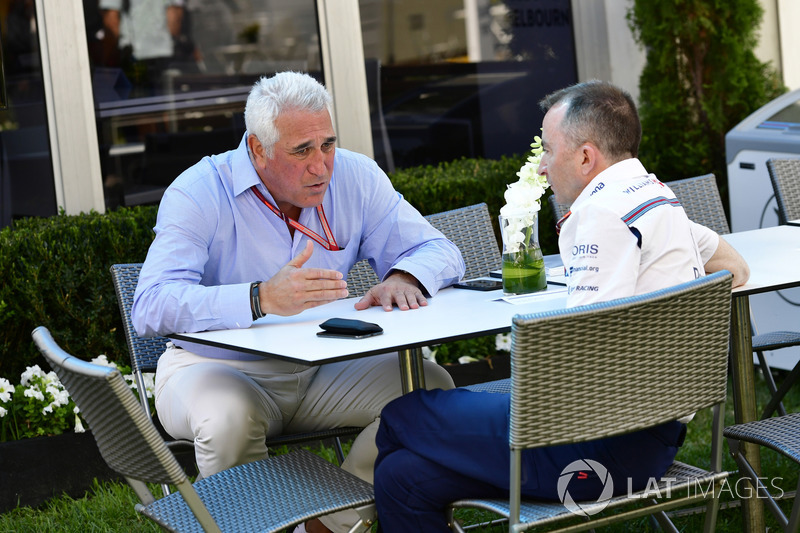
(214, 237)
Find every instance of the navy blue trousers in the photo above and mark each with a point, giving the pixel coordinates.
(436, 446)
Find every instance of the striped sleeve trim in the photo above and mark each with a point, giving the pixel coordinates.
(643, 208)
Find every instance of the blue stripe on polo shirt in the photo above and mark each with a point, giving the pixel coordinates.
(644, 207)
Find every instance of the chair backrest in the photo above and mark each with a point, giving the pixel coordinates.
(785, 177)
(361, 278)
(125, 435)
(144, 351)
(598, 370)
(699, 197)
(469, 228)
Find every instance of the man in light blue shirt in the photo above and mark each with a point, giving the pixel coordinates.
(273, 227)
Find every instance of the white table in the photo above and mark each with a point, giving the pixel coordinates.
(773, 255)
(794, 222)
(451, 315)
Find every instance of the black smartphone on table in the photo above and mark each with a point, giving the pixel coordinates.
(480, 285)
(345, 328)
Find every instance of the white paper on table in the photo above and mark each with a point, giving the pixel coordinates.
(519, 299)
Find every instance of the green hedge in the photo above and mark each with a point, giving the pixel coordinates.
(55, 270)
(466, 182)
(55, 273)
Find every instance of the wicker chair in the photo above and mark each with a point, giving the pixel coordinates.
(145, 351)
(469, 228)
(701, 200)
(785, 177)
(620, 366)
(268, 495)
(782, 434)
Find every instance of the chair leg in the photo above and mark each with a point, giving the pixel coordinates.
(759, 490)
(663, 521)
(337, 447)
(776, 401)
(773, 388)
(712, 512)
(368, 515)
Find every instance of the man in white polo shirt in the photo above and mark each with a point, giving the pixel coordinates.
(625, 235)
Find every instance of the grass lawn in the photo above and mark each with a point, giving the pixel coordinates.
(109, 506)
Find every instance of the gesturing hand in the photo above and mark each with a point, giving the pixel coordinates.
(294, 288)
(400, 288)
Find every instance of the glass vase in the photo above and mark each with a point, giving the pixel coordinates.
(523, 263)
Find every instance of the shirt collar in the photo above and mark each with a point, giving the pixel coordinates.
(623, 170)
(243, 173)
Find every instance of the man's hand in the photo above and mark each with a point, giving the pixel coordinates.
(400, 288)
(294, 289)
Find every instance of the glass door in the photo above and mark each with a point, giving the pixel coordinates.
(170, 80)
(462, 78)
(26, 172)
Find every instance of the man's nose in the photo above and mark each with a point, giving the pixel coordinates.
(316, 164)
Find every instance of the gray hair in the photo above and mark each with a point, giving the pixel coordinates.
(284, 91)
(601, 113)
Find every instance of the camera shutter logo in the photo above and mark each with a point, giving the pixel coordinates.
(580, 467)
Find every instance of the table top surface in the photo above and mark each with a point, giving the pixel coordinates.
(773, 255)
(450, 315)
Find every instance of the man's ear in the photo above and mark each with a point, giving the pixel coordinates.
(257, 149)
(591, 159)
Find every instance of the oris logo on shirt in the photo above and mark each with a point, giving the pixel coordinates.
(584, 249)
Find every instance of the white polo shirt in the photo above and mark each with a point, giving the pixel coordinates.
(628, 235)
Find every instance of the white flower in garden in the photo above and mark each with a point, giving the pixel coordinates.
(33, 392)
(429, 353)
(2, 412)
(78, 422)
(59, 394)
(503, 342)
(149, 382)
(6, 390)
(102, 360)
(30, 373)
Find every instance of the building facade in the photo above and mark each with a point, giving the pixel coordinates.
(107, 101)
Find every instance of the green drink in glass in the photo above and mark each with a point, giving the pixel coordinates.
(523, 272)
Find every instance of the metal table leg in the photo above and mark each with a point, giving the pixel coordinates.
(744, 400)
(411, 372)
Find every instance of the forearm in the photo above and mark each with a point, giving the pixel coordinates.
(435, 264)
(727, 258)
